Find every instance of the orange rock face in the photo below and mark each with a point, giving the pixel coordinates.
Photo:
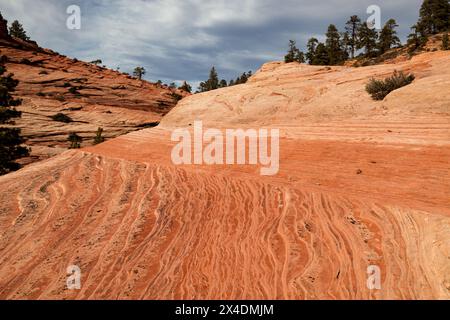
(91, 95)
(361, 184)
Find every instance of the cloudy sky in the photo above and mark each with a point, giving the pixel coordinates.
(181, 39)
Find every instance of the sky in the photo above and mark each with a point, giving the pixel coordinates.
(178, 40)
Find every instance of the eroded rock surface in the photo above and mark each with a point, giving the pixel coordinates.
(361, 183)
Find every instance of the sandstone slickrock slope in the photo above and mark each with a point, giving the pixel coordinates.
(361, 183)
(91, 95)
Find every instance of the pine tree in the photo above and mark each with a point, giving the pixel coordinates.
(139, 72)
(212, 83)
(223, 83)
(16, 30)
(367, 39)
(388, 37)
(321, 58)
(333, 44)
(434, 16)
(186, 87)
(98, 137)
(202, 87)
(300, 57)
(346, 45)
(417, 39)
(10, 138)
(290, 56)
(311, 46)
(294, 54)
(352, 27)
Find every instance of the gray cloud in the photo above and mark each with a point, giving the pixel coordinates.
(180, 40)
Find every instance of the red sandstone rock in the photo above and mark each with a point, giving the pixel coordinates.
(103, 98)
(140, 227)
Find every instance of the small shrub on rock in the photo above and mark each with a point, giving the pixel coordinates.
(73, 90)
(98, 137)
(379, 89)
(61, 117)
(445, 42)
(74, 141)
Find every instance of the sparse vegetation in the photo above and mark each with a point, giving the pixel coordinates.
(74, 90)
(185, 87)
(213, 82)
(360, 37)
(294, 54)
(445, 45)
(139, 72)
(10, 138)
(98, 137)
(416, 40)
(97, 62)
(388, 37)
(379, 89)
(434, 17)
(177, 97)
(61, 117)
(43, 72)
(16, 30)
(74, 141)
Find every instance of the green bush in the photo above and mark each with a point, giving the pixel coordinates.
(177, 97)
(98, 137)
(26, 61)
(61, 117)
(445, 45)
(73, 90)
(379, 89)
(74, 141)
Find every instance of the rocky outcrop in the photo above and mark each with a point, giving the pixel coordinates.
(300, 96)
(90, 95)
(362, 186)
